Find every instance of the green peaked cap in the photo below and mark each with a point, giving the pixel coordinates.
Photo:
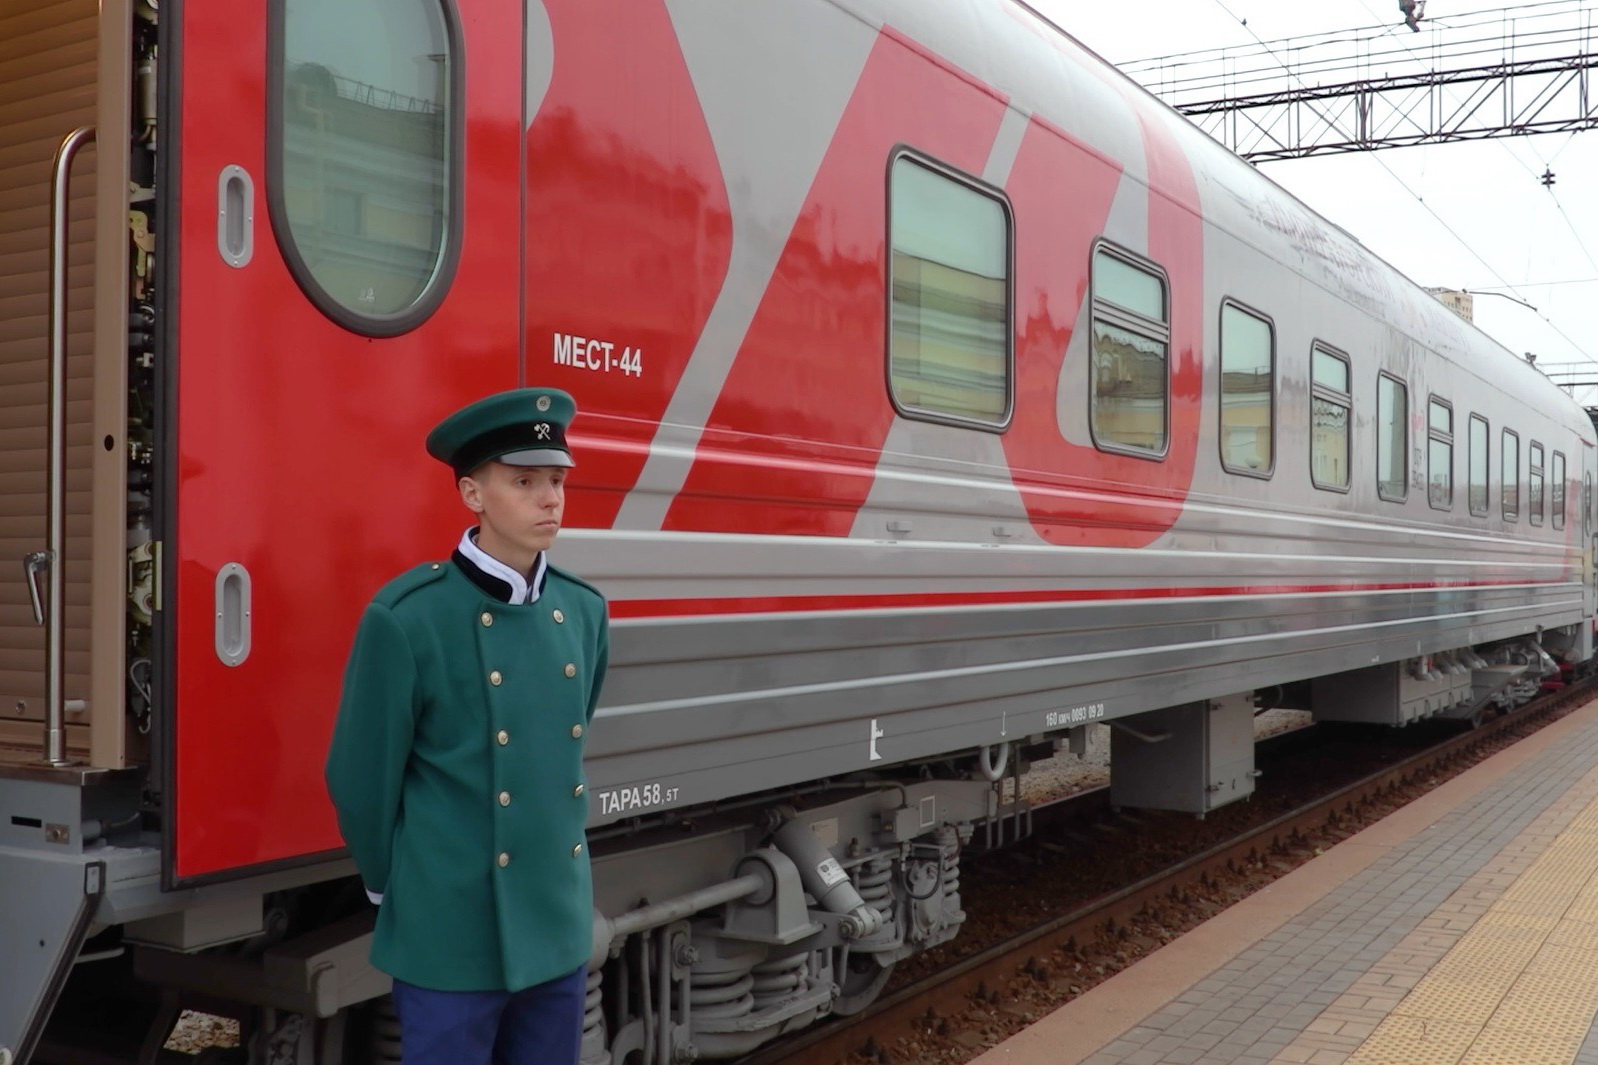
(522, 427)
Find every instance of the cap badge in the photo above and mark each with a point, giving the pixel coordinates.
(543, 403)
(542, 430)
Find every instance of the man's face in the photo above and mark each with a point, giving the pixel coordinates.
(520, 506)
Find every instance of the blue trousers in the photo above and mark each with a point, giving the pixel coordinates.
(542, 1025)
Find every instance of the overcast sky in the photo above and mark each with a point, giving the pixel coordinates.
(1487, 192)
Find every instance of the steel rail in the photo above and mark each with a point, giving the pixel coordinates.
(907, 1011)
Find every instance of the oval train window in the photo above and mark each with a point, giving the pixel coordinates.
(365, 149)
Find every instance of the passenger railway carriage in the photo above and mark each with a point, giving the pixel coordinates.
(942, 395)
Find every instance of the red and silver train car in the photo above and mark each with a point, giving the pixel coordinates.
(943, 394)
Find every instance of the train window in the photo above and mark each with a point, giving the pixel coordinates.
(1557, 476)
(1480, 464)
(1440, 454)
(1131, 354)
(1392, 437)
(1248, 391)
(1510, 456)
(1330, 406)
(1534, 483)
(949, 346)
(364, 155)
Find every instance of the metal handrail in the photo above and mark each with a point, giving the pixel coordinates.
(55, 737)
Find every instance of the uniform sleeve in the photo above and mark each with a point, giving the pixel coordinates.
(601, 660)
(372, 742)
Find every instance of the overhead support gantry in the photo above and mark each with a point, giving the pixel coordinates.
(1487, 74)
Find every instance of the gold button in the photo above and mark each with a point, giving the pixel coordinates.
(577, 732)
(504, 798)
(577, 850)
(577, 792)
(560, 619)
(435, 565)
(488, 619)
(504, 859)
(494, 678)
(571, 670)
(502, 736)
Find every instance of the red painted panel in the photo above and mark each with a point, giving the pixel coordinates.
(628, 234)
(1074, 493)
(812, 367)
(300, 444)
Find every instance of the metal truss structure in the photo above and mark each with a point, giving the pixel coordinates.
(1502, 73)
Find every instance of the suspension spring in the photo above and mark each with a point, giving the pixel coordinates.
(593, 1015)
(949, 841)
(721, 994)
(385, 1040)
(874, 881)
(780, 979)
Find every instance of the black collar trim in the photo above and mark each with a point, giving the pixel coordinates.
(489, 584)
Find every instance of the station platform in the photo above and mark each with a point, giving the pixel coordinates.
(1461, 929)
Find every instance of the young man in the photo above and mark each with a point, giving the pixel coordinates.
(456, 760)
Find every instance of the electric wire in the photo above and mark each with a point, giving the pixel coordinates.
(1463, 243)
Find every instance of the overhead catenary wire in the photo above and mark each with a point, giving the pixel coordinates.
(1460, 240)
(1547, 165)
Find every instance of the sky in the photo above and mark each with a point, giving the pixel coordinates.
(1507, 228)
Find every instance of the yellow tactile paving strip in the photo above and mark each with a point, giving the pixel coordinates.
(1506, 971)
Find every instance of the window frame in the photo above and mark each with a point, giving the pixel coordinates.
(1503, 486)
(1270, 324)
(1558, 471)
(1403, 451)
(1536, 474)
(438, 285)
(1487, 460)
(1438, 436)
(1346, 399)
(993, 192)
(1132, 321)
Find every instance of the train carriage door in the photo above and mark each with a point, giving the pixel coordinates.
(341, 256)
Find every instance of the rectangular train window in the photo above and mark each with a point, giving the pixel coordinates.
(1534, 483)
(1330, 406)
(1248, 391)
(949, 279)
(1511, 473)
(1131, 354)
(1392, 438)
(1557, 476)
(1440, 454)
(1480, 464)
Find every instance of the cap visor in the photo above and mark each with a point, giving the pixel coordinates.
(545, 456)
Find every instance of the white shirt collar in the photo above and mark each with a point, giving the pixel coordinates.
(520, 591)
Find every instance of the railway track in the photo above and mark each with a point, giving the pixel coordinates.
(925, 1010)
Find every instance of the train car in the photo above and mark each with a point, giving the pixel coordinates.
(942, 395)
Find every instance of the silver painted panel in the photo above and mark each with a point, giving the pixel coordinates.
(717, 707)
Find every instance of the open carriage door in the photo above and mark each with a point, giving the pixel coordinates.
(342, 203)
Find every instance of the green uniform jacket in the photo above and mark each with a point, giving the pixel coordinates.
(456, 768)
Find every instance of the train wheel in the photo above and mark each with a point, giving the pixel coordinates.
(860, 984)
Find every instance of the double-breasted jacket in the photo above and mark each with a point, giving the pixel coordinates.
(456, 771)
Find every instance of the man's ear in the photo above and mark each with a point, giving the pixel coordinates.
(471, 494)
